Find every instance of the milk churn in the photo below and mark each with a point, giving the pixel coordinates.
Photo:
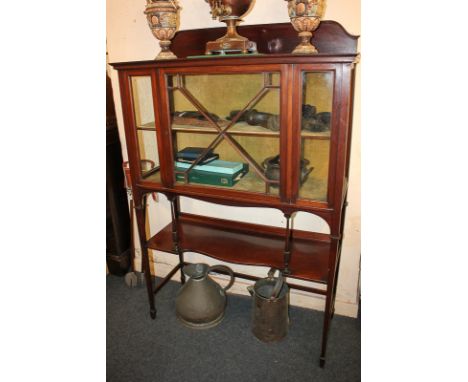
(200, 302)
(270, 317)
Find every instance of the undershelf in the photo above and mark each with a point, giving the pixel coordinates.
(249, 244)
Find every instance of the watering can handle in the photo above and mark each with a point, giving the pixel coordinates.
(228, 270)
(278, 285)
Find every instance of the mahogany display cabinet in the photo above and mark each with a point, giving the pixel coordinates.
(264, 130)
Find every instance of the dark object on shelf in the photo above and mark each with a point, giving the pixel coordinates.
(311, 120)
(207, 159)
(195, 115)
(270, 319)
(271, 165)
(268, 120)
(117, 217)
(308, 111)
(324, 117)
(273, 123)
(243, 117)
(314, 125)
(317, 123)
(257, 118)
(191, 154)
(200, 302)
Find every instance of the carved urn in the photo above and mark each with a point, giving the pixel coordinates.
(163, 20)
(231, 13)
(305, 17)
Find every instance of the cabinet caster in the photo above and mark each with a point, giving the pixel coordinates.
(153, 313)
(322, 362)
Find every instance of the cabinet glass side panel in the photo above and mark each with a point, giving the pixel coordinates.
(145, 127)
(317, 101)
(225, 127)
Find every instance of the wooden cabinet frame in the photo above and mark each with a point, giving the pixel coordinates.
(302, 255)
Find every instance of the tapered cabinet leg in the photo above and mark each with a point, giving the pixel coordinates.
(329, 304)
(140, 207)
(326, 327)
(322, 361)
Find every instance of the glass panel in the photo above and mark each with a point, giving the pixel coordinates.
(317, 102)
(146, 130)
(148, 149)
(224, 127)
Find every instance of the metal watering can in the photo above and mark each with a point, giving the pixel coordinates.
(200, 302)
(270, 319)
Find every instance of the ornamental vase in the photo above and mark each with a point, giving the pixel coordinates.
(305, 17)
(163, 20)
(231, 13)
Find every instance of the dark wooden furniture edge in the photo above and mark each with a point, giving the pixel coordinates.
(330, 37)
(238, 226)
(247, 199)
(241, 199)
(236, 60)
(118, 238)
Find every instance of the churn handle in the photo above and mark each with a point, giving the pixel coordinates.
(278, 285)
(228, 270)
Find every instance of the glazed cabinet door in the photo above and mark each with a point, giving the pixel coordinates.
(138, 90)
(316, 128)
(225, 128)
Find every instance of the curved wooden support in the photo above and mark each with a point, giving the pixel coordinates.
(265, 203)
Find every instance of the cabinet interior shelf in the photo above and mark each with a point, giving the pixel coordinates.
(240, 128)
(250, 244)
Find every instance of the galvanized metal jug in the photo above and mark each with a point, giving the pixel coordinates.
(200, 302)
(270, 318)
